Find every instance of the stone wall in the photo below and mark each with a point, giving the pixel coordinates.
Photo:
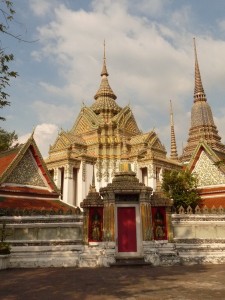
(55, 241)
(199, 238)
(44, 241)
(52, 241)
(198, 227)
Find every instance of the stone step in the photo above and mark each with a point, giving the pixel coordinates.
(130, 262)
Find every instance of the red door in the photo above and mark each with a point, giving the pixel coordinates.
(127, 237)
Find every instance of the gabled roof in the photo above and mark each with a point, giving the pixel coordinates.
(11, 160)
(65, 141)
(6, 159)
(214, 156)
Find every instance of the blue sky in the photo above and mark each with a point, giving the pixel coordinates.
(150, 60)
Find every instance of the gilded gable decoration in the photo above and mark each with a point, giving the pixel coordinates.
(207, 172)
(87, 120)
(26, 172)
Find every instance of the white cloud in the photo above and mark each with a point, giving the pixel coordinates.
(150, 7)
(44, 135)
(56, 114)
(42, 7)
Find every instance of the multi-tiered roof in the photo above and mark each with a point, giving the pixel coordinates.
(202, 123)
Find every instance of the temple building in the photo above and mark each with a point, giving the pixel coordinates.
(25, 183)
(103, 135)
(204, 153)
(202, 123)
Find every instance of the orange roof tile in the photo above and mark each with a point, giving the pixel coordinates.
(6, 159)
(27, 190)
(29, 204)
(217, 202)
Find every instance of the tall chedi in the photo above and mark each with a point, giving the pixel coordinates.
(202, 123)
(173, 145)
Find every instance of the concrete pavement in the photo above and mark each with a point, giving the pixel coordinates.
(180, 282)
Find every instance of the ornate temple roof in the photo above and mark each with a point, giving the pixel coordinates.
(22, 170)
(202, 123)
(105, 97)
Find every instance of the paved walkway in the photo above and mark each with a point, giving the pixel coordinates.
(189, 282)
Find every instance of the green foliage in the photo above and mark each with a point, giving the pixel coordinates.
(5, 75)
(7, 139)
(6, 14)
(181, 186)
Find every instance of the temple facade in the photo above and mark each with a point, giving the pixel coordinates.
(103, 135)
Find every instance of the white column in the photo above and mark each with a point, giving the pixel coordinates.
(81, 182)
(68, 186)
(57, 177)
(151, 177)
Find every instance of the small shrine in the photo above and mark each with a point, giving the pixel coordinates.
(126, 214)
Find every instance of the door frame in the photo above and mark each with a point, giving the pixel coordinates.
(138, 230)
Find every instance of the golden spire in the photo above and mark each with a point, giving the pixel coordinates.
(104, 69)
(105, 103)
(173, 150)
(199, 94)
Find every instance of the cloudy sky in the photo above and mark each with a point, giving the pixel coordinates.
(150, 60)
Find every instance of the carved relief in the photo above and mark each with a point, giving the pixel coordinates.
(68, 171)
(150, 171)
(105, 167)
(26, 172)
(207, 172)
(99, 170)
(84, 170)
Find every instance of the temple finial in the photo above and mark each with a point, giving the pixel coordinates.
(173, 150)
(104, 69)
(104, 51)
(199, 94)
(33, 131)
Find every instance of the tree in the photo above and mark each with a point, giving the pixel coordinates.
(6, 74)
(7, 139)
(181, 186)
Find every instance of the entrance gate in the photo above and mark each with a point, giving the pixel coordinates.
(127, 234)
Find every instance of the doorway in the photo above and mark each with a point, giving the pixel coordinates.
(128, 230)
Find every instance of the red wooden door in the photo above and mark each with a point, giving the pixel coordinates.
(127, 236)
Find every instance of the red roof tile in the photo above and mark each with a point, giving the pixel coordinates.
(31, 204)
(27, 190)
(217, 202)
(5, 160)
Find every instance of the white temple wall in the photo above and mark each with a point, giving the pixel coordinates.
(89, 176)
(198, 226)
(55, 241)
